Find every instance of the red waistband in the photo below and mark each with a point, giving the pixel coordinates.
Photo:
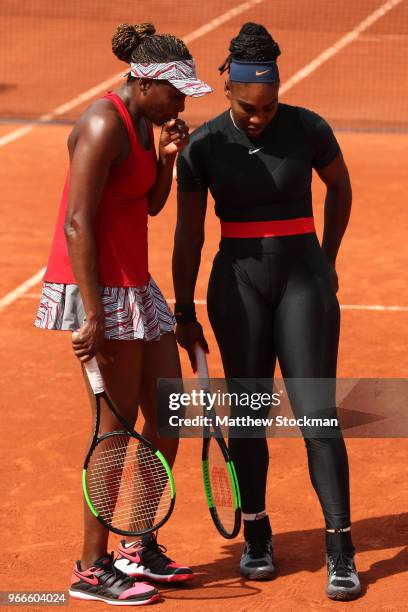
(265, 229)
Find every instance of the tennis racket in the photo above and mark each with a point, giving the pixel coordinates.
(219, 475)
(127, 483)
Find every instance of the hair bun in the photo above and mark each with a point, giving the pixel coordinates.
(254, 43)
(127, 37)
(253, 29)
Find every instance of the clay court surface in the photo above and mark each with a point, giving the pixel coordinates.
(45, 416)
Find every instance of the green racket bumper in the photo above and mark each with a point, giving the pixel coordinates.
(169, 472)
(234, 481)
(207, 484)
(88, 500)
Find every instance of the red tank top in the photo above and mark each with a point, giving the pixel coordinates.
(120, 224)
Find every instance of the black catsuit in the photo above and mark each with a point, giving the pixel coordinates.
(272, 297)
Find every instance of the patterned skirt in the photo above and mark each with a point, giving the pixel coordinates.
(131, 313)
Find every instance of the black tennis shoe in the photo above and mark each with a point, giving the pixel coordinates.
(257, 559)
(343, 582)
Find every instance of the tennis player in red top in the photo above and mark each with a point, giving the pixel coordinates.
(97, 277)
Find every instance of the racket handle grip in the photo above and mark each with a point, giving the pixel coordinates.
(202, 367)
(94, 374)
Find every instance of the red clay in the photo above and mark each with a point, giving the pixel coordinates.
(46, 420)
(45, 412)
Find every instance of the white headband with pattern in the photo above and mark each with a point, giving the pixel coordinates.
(181, 74)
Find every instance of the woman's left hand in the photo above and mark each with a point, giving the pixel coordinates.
(173, 138)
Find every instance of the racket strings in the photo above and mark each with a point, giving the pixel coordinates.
(128, 484)
(221, 486)
(134, 509)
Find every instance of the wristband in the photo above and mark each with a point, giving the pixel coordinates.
(185, 313)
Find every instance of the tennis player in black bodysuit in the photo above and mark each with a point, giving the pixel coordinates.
(272, 290)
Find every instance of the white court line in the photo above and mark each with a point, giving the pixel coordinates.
(102, 87)
(21, 289)
(60, 110)
(210, 26)
(373, 307)
(339, 45)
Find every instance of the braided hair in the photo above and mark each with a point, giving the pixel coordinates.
(140, 44)
(253, 44)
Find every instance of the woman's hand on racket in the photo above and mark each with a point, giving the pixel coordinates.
(187, 335)
(173, 138)
(87, 341)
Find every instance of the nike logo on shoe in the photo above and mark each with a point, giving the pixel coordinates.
(90, 579)
(252, 151)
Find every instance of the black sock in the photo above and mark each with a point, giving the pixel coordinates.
(339, 542)
(259, 529)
